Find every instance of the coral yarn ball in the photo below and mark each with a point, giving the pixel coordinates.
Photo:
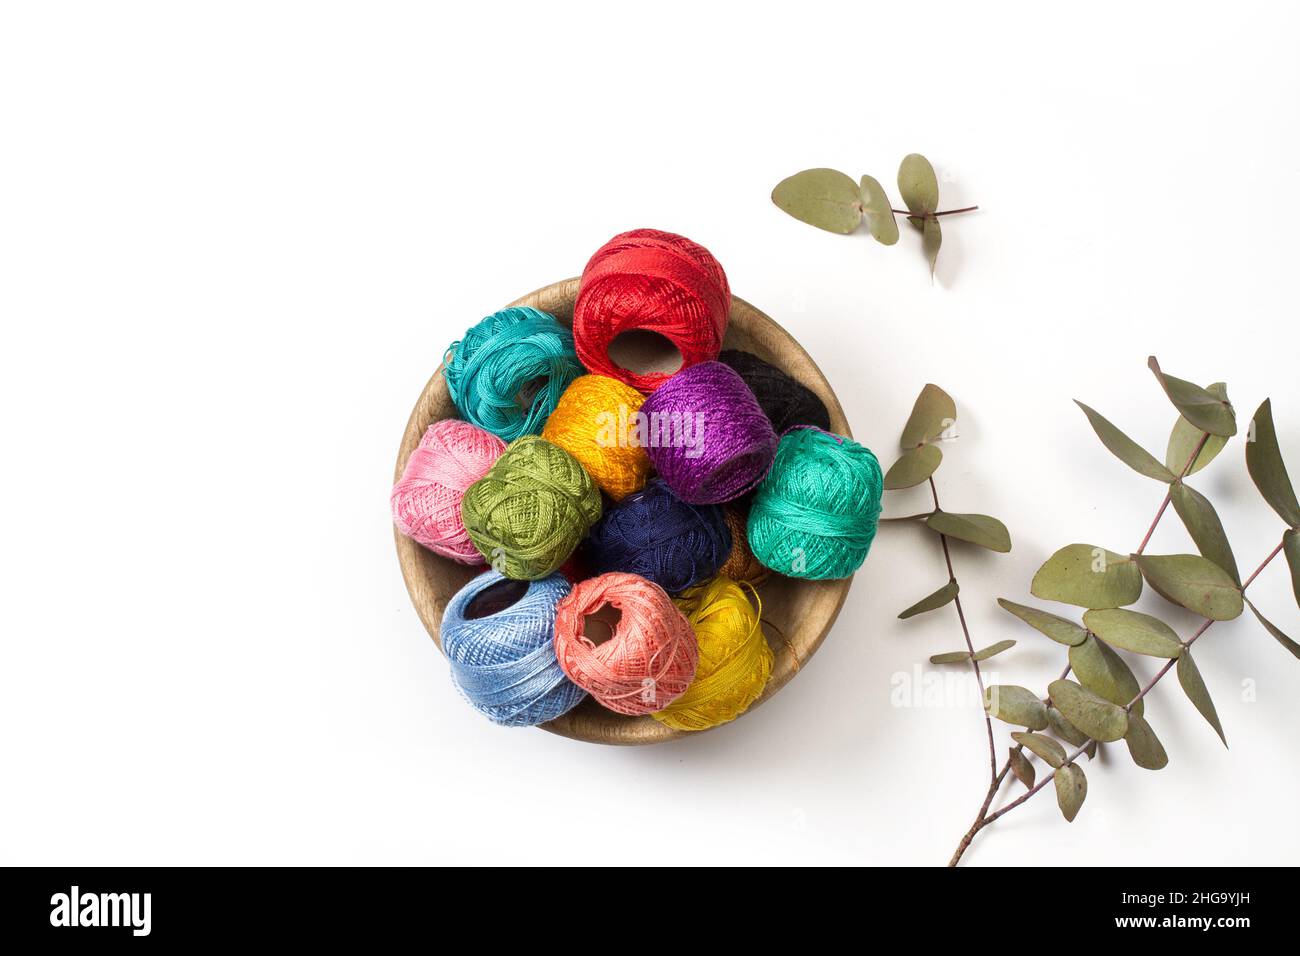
(647, 661)
(426, 500)
(650, 281)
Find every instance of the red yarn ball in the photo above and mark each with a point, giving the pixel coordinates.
(652, 281)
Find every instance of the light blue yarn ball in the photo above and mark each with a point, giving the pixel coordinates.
(508, 372)
(503, 657)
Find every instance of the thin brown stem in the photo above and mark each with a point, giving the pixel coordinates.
(970, 645)
(945, 212)
(916, 517)
(1164, 505)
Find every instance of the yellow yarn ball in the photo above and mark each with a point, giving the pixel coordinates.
(595, 421)
(735, 661)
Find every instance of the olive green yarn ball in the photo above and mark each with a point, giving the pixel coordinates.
(815, 514)
(528, 513)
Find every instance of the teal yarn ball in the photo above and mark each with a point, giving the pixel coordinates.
(815, 513)
(507, 373)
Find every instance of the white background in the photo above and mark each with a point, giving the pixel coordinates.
(235, 238)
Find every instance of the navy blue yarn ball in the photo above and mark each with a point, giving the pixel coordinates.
(655, 534)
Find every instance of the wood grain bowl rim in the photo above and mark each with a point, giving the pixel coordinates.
(589, 722)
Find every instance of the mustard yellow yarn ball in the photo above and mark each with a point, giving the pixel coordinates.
(595, 421)
(735, 661)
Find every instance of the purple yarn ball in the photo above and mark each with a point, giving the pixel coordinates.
(707, 436)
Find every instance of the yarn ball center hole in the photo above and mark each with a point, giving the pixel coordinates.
(528, 392)
(599, 626)
(644, 352)
(495, 598)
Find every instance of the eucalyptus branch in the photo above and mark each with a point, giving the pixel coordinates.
(1105, 703)
(834, 201)
(983, 818)
(1168, 666)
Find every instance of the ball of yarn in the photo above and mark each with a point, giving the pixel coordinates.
(656, 535)
(596, 422)
(532, 508)
(653, 281)
(498, 635)
(741, 565)
(708, 437)
(648, 659)
(785, 401)
(509, 370)
(735, 660)
(451, 456)
(815, 514)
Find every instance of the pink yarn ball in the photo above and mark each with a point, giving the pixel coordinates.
(451, 456)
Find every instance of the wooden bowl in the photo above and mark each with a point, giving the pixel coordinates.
(800, 612)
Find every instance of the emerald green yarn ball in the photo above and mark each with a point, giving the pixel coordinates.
(528, 513)
(815, 513)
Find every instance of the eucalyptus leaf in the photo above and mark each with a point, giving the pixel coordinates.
(977, 529)
(1143, 744)
(1057, 628)
(1291, 548)
(1203, 524)
(913, 468)
(1096, 717)
(994, 649)
(918, 185)
(1125, 448)
(825, 198)
(1102, 671)
(880, 214)
(933, 412)
(1194, 582)
(1091, 749)
(951, 657)
(1071, 789)
(1186, 436)
(1268, 470)
(1058, 725)
(1088, 576)
(1021, 767)
(1133, 631)
(931, 240)
(1015, 705)
(1276, 631)
(933, 601)
(1194, 687)
(1053, 754)
(1207, 412)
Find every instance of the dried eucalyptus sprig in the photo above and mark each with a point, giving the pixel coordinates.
(1106, 702)
(831, 200)
(933, 417)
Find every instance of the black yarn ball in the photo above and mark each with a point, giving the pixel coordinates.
(655, 534)
(785, 401)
